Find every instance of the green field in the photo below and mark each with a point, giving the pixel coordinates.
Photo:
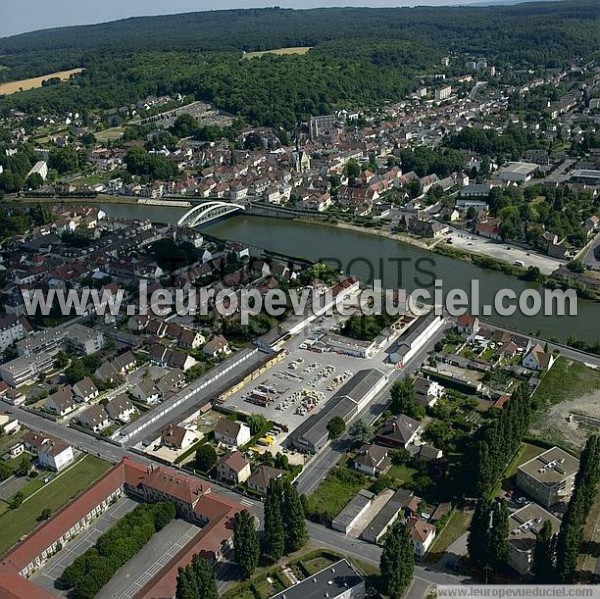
(454, 529)
(526, 452)
(339, 486)
(567, 380)
(21, 521)
(403, 474)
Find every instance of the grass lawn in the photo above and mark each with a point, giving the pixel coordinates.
(336, 490)
(591, 538)
(317, 564)
(109, 134)
(266, 589)
(526, 452)
(567, 380)
(32, 486)
(454, 529)
(402, 473)
(16, 523)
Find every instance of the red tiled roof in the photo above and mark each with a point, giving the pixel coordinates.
(49, 532)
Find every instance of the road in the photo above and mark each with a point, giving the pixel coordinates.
(318, 467)
(590, 259)
(568, 352)
(312, 475)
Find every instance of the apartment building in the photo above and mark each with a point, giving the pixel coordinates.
(550, 477)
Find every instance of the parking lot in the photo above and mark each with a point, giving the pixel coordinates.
(502, 251)
(52, 571)
(146, 564)
(302, 383)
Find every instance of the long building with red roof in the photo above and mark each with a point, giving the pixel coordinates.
(192, 498)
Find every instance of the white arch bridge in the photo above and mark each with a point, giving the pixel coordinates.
(207, 211)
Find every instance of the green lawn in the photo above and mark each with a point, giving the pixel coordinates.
(526, 452)
(403, 473)
(317, 564)
(454, 529)
(32, 486)
(21, 521)
(339, 486)
(567, 380)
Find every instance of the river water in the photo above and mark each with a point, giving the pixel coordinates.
(369, 257)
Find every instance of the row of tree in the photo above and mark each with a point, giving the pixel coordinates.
(94, 568)
(197, 581)
(571, 532)
(498, 442)
(285, 524)
(488, 536)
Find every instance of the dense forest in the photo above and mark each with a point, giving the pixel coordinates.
(358, 56)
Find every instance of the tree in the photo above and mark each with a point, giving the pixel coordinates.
(34, 181)
(245, 542)
(352, 171)
(274, 527)
(206, 457)
(478, 541)
(24, 466)
(399, 456)
(64, 160)
(359, 432)
(16, 500)
(257, 423)
(187, 587)
(45, 514)
(404, 400)
(295, 532)
(336, 427)
(397, 563)
(543, 556)
(205, 578)
(498, 532)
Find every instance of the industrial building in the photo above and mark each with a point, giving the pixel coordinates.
(518, 172)
(312, 435)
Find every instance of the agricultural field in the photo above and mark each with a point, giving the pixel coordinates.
(12, 87)
(280, 52)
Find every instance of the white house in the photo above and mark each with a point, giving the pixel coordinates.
(85, 390)
(55, 454)
(421, 535)
(120, 409)
(178, 437)
(537, 359)
(9, 425)
(232, 433)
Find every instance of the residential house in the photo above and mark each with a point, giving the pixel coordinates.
(9, 425)
(232, 433)
(124, 363)
(85, 390)
(427, 392)
(146, 391)
(537, 359)
(468, 324)
(106, 373)
(372, 459)
(216, 346)
(120, 409)
(95, 418)
(261, 478)
(179, 438)
(55, 454)
(234, 468)
(61, 403)
(421, 535)
(401, 431)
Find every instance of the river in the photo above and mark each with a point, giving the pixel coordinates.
(369, 257)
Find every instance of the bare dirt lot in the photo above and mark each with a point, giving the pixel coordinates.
(12, 87)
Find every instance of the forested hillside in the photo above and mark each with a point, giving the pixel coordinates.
(358, 56)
